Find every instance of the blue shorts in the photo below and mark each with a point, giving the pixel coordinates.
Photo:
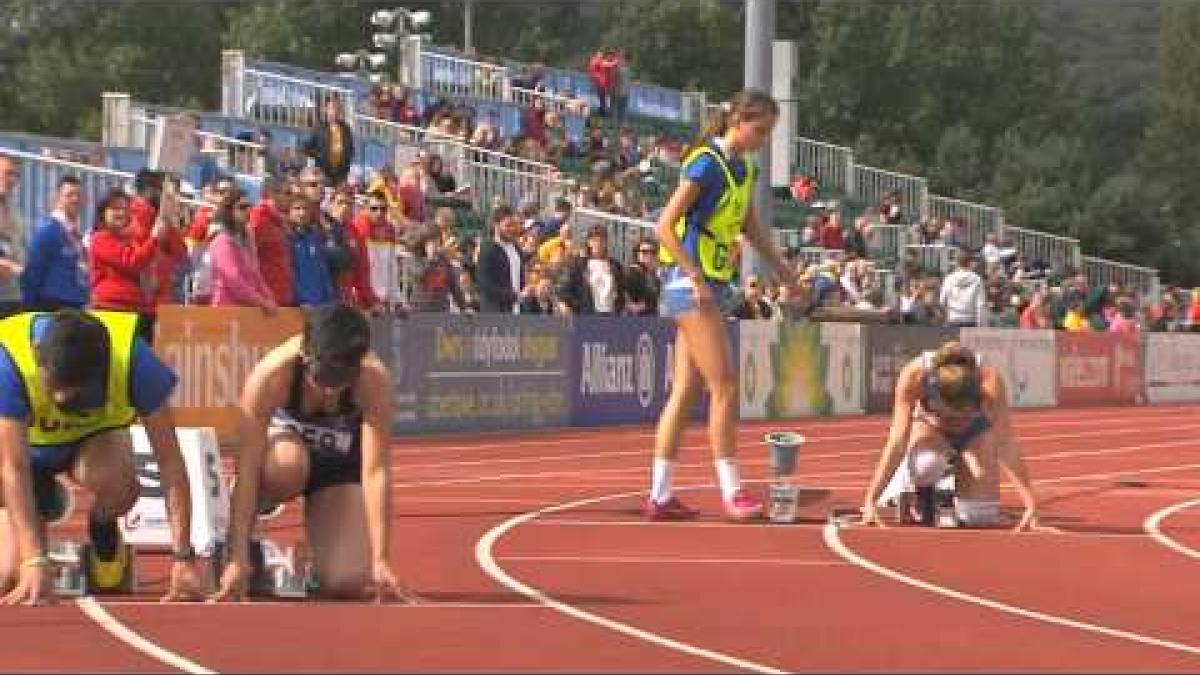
(679, 297)
(52, 460)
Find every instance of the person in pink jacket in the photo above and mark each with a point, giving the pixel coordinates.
(229, 255)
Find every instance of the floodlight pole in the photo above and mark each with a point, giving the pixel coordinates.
(468, 23)
(760, 34)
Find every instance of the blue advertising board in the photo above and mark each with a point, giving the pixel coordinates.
(478, 373)
(620, 369)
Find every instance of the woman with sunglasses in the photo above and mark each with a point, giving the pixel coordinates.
(229, 259)
(316, 422)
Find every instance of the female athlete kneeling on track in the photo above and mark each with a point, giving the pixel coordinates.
(698, 229)
(951, 414)
(315, 421)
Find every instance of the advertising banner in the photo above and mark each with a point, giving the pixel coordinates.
(790, 370)
(888, 350)
(213, 350)
(1098, 368)
(1025, 359)
(1172, 367)
(478, 373)
(621, 369)
(147, 524)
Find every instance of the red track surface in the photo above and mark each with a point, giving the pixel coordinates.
(555, 514)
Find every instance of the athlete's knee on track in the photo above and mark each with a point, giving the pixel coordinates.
(926, 466)
(343, 584)
(285, 468)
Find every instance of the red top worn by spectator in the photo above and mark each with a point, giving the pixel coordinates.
(831, 235)
(169, 255)
(274, 253)
(198, 230)
(354, 286)
(118, 263)
(601, 68)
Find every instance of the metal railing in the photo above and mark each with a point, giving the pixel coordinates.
(39, 178)
(244, 159)
(446, 74)
(281, 100)
(1048, 248)
(871, 184)
(552, 102)
(886, 243)
(831, 165)
(623, 233)
(979, 219)
(1140, 280)
(491, 185)
(936, 258)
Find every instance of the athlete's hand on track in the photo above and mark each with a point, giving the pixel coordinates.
(870, 516)
(1029, 523)
(33, 587)
(184, 584)
(233, 583)
(387, 587)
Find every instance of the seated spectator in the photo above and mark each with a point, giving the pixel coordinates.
(804, 189)
(1124, 321)
(831, 231)
(538, 296)
(643, 280)
(1075, 318)
(437, 281)
(890, 210)
(990, 252)
(594, 282)
(753, 305)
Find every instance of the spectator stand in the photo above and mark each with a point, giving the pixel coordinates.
(1143, 282)
(979, 219)
(1056, 250)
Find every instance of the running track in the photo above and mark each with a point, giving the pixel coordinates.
(529, 555)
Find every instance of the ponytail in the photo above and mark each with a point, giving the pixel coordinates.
(745, 106)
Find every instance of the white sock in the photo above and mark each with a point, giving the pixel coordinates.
(727, 475)
(661, 472)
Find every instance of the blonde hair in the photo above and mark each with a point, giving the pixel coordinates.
(957, 375)
(746, 106)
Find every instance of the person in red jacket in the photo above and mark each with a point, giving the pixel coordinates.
(601, 69)
(145, 212)
(354, 282)
(120, 263)
(270, 244)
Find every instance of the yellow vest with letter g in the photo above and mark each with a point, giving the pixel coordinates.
(717, 236)
(48, 425)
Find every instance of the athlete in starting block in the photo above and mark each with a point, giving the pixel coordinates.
(71, 383)
(315, 421)
(951, 415)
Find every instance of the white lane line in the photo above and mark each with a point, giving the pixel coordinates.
(834, 541)
(485, 557)
(94, 611)
(620, 472)
(670, 560)
(1122, 428)
(1153, 527)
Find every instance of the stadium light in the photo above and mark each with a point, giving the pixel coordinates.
(376, 60)
(385, 40)
(347, 61)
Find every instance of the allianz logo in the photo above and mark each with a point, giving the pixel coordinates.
(618, 372)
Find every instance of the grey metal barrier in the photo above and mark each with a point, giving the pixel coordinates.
(277, 99)
(1048, 248)
(831, 165)
(39, 178)
(936, 258)
(1143, 281)
(980, 219)
(871, 184)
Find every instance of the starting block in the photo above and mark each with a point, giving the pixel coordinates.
(931, 506)
(275, 572)
(74, 574)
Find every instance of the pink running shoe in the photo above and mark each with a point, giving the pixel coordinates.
(743, 506)
(672, 509)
